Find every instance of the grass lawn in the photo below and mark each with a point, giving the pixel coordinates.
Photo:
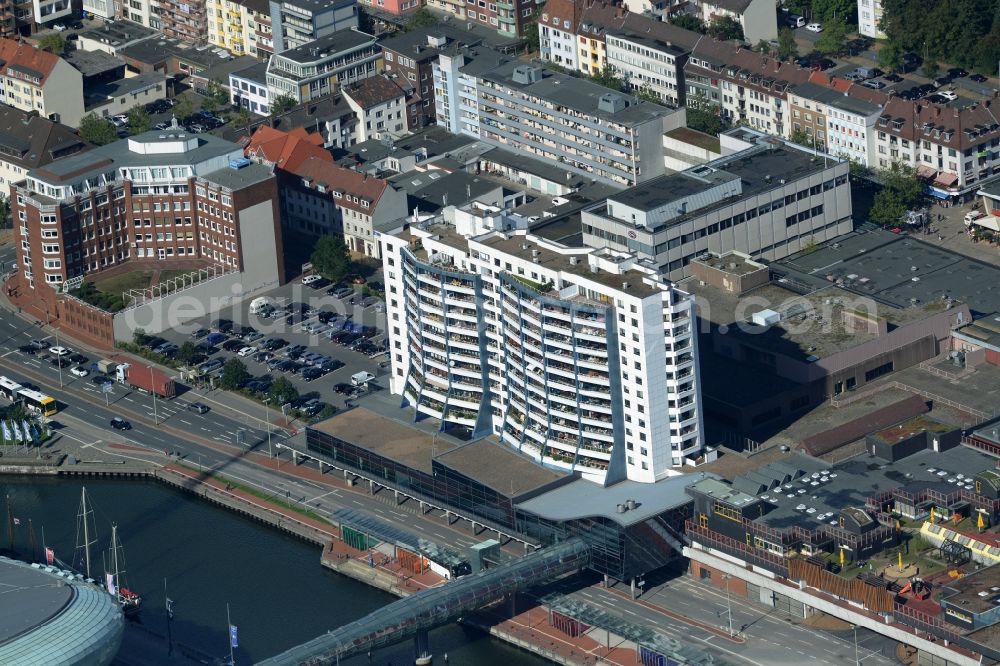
(117, 284)
(174, 273)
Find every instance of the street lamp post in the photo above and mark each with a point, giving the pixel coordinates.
(152, 384)
(267, 417)
(59, 359)
(729, 606)
(857, 662)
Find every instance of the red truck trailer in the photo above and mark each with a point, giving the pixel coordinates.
(147, 378)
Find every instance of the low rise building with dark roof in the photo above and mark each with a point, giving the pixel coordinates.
(379, 103)
(29, 141)
(757, 17)
(111, 36)
(248, 89)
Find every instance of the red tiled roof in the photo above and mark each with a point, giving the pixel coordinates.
(286, 150)
(350, 183)
(21, 54)
(557, 12)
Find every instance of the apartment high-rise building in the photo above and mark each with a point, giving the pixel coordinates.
(35, 80)
(584, 359)
(242, 27)
(186, 20)
(610, 136)
(869, 17)
(298, 22)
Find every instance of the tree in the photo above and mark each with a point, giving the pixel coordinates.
(421, 19)
(725, 28)
(802, 138)
(608, 78)
(215, 97)
(4, 211)
(890, 57)
(234, 374)
(787, 48)
(242, 118)
(531, 33)
(282, 103)
(688, 22)
(887, 209)
(139, 337)
(764, 47)
(704, 116)
(283, 391)
(904, 181)
(825, 11)
(647, 94)
(833, 39)
(931, 69)
(183, 108)
(331, 258)
(97, 131)
(187, 354)
(138, 119)
(53, 42)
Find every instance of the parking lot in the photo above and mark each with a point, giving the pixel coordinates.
(295, 338)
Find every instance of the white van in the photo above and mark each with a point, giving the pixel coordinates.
(360, 378)
(795, 21)
(260, 304)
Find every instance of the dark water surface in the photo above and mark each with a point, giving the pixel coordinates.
(278, 593)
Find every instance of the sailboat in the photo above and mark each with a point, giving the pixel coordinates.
(86, 536)
(115, 579)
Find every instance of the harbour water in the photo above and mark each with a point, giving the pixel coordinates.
(278, 594)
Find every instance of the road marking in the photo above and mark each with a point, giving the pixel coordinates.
(185, 422)
(204, 428)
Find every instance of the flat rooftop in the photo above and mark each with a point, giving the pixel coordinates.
(581, 499)
(237, 179)
(696, 138)
(499, 467)
(386, 437)
(850, 483)
(30, 599)
(975, 592)
(813, 326)
(513, 245)
(326, 47)
(731, 263)
(898, 270)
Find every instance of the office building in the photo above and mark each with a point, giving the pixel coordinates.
(156, 199)
(295, 23)
(583, 359)
(610, 136)
(841, 124)
(248, 89)
(764, 198)
(506, 18)
(321, 67)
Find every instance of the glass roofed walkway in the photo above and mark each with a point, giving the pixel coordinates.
(438, 605)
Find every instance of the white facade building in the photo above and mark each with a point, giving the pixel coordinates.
(584, 359)
(869, 16)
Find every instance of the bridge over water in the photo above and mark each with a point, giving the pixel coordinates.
(416, 614)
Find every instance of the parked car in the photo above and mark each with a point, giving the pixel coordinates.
(948, 95)
(294, 349)
(321, 283)
(342, 388)
(79, 359)
(215, 338)
(263, 356)
(957, 73)
(273, 344)
(222, 325)
(814, 27)
(60, 351)
(118, 423)
(161, 126)
(38, 344)
(255, 336)
(873, 84)
(232, 345)
(309, 279)
(893, 78)
(978, 78)
(27, 349)
(311, 373)
(247, 351)
(211, 366)
(200, 333)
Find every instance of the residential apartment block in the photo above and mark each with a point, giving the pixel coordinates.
(142, 12)
(583, 359)
(394, 7)
(322, 66)
(954, 149)
(841, 125)
(36, 80)
(763, 198)
(163, 197)
(29, 141)
(380, 106)
(557, 30)
(412, 54)
(295, 23)
(186, 20)
(746, 86)
(757, 17)
(585, 127)
(506, 17)
(242, 28)
(869, 17)
(248, 88)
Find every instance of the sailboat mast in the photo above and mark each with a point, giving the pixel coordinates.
(86, 532)
(114, 553)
